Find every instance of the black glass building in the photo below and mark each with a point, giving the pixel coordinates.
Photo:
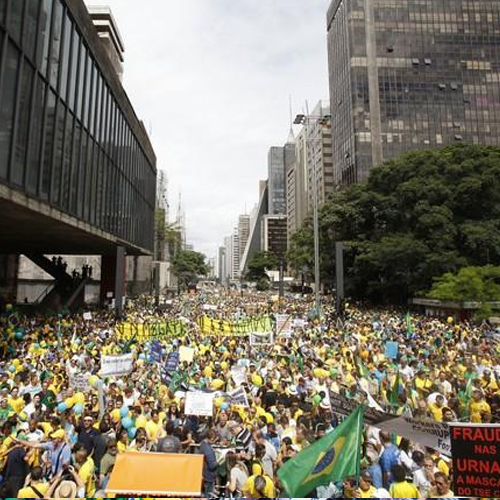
(69, 138)
(410, 74)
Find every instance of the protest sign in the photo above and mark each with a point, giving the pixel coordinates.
(435, 435)
(79, 382)
(476, 464)
(172, 361)
(391, 350)
(284, 325)
(257, 338)
(186, 354)
(87, 316)
(199, 403)
(150, 330)
(238, 374)
(425, 432)
(155, 352)
(239, 397)
(116, 365)
(299, 323)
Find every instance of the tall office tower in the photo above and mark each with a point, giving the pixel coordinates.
(278, 160)
(243, 234)
(221, 264)
(319, 156)
(410, 74)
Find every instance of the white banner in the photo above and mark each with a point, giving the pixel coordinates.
(261, 338)
(239, 397)
(116, 365)
(435, 435)
(79, 382)
(87, 316)
(299, 323)
(199, 403)
(238, 374)
(284, 325)
(186, 354)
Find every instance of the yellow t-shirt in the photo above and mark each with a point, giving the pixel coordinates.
(29, 493)
(249, 488)
(122, 448)
(367, 494)
(153, 430)
(476, 409)
(437, 412)
(16, 404)
(86, 473)
(404, 490)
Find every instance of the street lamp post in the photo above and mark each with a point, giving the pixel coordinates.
(305, 120)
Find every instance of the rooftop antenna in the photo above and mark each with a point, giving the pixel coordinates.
(291, 136)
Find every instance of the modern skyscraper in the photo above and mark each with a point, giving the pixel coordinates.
(410, 74)
(278, 159)
(318, 156)
(313, 150)
(243, 234)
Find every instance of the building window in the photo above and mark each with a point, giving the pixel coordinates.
(7, 101)
(23, 125)
(55, 46)
(43, 44)
(16, 19)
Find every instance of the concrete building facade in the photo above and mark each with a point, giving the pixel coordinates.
(77, 169)
(410, 74)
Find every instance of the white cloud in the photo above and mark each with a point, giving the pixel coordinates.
(212, 77)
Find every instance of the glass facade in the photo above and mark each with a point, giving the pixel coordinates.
(64, 138)
(278, 160)
(411, 74)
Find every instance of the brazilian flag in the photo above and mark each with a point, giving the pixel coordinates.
(49, 400)
(332, 458)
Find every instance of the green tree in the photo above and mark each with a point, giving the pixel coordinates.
(259, 264)
(188, 266)
(416, 217)
(478, 284)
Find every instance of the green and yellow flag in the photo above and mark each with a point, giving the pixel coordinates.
(332, 458)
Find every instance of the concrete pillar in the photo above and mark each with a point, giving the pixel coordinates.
(339, 275)
(113, 278)
(9, 267)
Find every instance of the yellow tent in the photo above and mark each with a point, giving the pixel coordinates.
(157, 474)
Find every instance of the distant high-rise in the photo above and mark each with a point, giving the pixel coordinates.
(313, 151)
(243, 235)
(410, 74)
(278, 159)
(221, 264)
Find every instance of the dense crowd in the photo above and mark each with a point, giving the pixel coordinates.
(61, 441)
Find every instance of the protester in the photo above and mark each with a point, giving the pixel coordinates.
(287, 393)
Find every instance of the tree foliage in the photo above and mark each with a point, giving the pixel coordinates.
(479, 284)
(259, 264)
(188, 266)
(417, 217)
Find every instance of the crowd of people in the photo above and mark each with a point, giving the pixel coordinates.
(61, 440)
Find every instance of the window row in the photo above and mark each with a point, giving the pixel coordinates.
(46, 150)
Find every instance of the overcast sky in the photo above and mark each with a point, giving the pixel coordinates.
(211, 78)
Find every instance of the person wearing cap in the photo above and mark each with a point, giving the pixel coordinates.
(59, 450)
(67, 488)
(87, 434)
(478, 406)
(366, 488)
